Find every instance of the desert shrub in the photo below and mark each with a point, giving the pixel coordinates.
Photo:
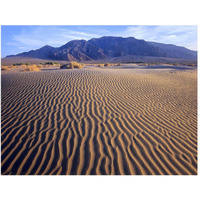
(5, 68)
(51, 63)
(100, 65)
(31, 68)
(71, 65)
(76, 65)
(48, 63)
(39, 66)
(18, 64)
(190, 64)
(107, 64)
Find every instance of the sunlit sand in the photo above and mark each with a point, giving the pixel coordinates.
(99, 121)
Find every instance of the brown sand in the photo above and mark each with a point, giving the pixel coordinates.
(99, 121)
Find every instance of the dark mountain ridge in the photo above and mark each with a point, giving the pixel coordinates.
(108, 48)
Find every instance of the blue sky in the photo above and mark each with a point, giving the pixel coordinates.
(17, 39)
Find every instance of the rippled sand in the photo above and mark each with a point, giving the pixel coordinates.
(99, 121)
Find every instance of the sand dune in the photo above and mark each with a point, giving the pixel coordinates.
(99, 121)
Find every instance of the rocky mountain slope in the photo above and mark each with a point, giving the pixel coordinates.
(107, 48)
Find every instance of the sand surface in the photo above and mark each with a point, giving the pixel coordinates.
(99, 121)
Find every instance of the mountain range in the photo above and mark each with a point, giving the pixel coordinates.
(107, 48)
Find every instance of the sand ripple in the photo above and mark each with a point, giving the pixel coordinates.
(92, 121)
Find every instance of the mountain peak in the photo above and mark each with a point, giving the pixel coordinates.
(46, 47)
(108, 47)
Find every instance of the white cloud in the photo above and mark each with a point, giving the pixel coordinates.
(26, 40)
(178, 35)
(55, 36)
(81, 34)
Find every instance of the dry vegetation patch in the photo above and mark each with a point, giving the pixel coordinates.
(100, 65)
(3, 68)
(104, 65)
(31, 68)
(107, 64)
(50, 64)
(72, 65)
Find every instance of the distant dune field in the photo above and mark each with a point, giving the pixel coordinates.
(99, 121)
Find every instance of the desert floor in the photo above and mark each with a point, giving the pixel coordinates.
(99, 121)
